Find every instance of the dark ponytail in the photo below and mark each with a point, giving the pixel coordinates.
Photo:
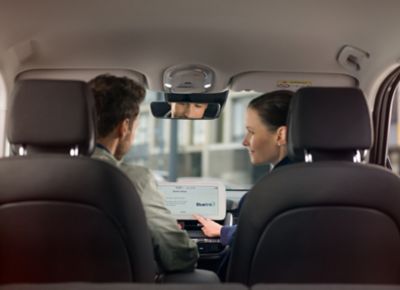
(272, 108)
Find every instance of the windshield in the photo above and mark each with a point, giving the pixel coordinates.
(198, 150)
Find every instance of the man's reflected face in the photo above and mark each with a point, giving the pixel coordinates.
(188, 110)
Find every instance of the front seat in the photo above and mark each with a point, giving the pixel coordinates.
(65, 216)
(330, 219)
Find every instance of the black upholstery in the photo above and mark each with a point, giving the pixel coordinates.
(226, 286)
(326, 221)
(67, 218)
(198, 276)
(323, 287)
(52, 116)
(131, 286)
(330, 123)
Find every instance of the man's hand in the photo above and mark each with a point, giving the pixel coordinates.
(210, 228)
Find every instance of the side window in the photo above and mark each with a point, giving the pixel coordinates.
(4, 146)
(394, 135)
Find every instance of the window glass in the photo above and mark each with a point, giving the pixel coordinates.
(139, 152)
(4, 145)
(141, 133)
(152, 97)
(239, 106)
(394, 135)
(159, 134)
(207, 149)
(198, 132)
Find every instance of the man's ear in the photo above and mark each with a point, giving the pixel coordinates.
(123, 128)
(281, 135)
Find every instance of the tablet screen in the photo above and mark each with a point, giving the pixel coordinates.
(184, 200)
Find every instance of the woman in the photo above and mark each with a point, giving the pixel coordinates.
(265, 140)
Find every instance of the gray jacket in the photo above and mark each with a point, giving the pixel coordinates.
(173, 249)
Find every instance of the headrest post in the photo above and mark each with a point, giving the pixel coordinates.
(357, 157)
(365, 154)
(307, 156)
(22, 151)
(74, 151)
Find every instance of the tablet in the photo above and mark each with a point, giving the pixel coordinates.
(185, 199)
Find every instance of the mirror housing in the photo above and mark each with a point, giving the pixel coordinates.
(218, 98)
(185, 110)
(196, 106)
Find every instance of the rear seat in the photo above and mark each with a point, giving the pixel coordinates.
(65, 216)
(69, 217)
(113, 286)
(227, 286)
(324, 287)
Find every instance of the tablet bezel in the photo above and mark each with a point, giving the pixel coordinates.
(221, 199)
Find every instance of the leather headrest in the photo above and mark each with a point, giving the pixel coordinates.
(328, 120)
(52, 116)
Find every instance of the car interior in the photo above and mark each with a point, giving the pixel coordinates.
(330, 220)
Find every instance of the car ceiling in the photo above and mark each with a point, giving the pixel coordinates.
(230, 36)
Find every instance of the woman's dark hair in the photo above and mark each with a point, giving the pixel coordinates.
(117, 98)
(272, 108)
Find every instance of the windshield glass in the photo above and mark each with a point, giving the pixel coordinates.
(205, 149)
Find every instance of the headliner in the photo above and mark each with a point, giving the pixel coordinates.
(230, 36)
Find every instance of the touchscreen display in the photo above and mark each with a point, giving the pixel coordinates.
(191, 199)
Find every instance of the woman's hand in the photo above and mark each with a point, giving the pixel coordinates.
(210, 228)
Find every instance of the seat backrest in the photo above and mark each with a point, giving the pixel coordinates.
(64, 216)
(329, 220)
(137, 286)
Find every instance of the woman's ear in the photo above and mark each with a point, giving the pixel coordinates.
(281, 136)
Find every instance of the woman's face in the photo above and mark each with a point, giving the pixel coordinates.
(264, 145)
(188, 110)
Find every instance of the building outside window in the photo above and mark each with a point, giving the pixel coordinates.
(206, 148)
(239, 107)
(198, 132)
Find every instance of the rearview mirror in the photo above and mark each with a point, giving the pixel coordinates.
(185, 110)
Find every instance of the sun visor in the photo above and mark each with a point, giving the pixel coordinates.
(269, 81)
(79, 74)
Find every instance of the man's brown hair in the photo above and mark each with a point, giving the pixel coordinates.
(117, 98)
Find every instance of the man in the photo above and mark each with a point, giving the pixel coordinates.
(117, 105)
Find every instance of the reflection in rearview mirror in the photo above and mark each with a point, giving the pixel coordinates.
(185, 110)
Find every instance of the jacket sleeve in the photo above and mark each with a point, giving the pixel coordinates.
(226, 234)
(173, 249)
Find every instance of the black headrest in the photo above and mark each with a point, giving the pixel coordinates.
(328, 120)
(52, 116)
